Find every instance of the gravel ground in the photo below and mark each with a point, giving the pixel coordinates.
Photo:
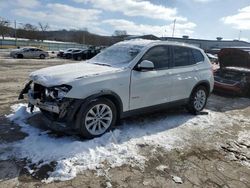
(221, 160)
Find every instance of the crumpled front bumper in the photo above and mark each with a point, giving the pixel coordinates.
(48, 106)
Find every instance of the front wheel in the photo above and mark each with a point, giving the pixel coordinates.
(198, 100)
(98, 117)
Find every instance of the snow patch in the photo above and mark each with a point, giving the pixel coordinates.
(116, 148)
(177, 179)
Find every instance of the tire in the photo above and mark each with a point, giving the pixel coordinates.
(19, 56)
(198, 100)
(79, 58)
(42, 56)
(93, 125)
(68, 56)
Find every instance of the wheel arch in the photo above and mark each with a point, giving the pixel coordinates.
(203, 83)
(112, 96)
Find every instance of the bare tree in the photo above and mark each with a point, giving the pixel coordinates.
(29, 27)
(28, 31)
(44, 28)
(4, 27)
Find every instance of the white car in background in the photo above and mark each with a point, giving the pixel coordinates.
(29, 52)
(127, 78)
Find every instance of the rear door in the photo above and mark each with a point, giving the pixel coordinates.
(183, 71)
(152, 87)
(28, 52)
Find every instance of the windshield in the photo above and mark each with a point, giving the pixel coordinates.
(118, 55)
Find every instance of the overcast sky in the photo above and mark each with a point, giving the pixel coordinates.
(197, 18)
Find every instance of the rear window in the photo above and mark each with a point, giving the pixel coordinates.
(183, 56)
(198, 57)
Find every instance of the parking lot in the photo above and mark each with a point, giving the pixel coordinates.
(165, 149)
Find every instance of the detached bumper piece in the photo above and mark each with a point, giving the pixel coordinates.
(58, 126)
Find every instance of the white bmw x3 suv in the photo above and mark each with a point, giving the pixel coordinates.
(125, 79)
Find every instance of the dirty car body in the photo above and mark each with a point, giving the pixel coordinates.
(120, 81)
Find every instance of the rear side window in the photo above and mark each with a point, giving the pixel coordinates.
(198, 57)
(159, 55)
(183, 56)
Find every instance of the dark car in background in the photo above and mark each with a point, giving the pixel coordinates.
(61, 52)
(233, 76)
(85, 54)
(69, 54)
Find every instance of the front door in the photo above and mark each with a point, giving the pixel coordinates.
(152, 87)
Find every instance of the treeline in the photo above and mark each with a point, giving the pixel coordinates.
(41, 32)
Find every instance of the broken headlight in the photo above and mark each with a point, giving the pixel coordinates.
(57, 92)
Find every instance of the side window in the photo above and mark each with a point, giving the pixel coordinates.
(198, 57)
(159, 55)
(183, 56)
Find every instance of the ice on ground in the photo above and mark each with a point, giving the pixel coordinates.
(115, 148)
(162, 168)
(244, 138)
(177, 179)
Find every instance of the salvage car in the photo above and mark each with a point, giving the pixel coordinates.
(29, 52)
(128, 78)
(233, 76)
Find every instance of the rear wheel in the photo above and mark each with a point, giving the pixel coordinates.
(198, 100)
(42, 56)
(79, 58)
(98, 117)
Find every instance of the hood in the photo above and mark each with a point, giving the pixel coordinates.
(233, 57)
(62, 74)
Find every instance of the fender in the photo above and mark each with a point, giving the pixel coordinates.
(204, 83)
(77, 103)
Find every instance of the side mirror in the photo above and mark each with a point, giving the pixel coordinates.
(145, 65)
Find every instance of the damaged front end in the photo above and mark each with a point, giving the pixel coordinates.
(52, 102)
